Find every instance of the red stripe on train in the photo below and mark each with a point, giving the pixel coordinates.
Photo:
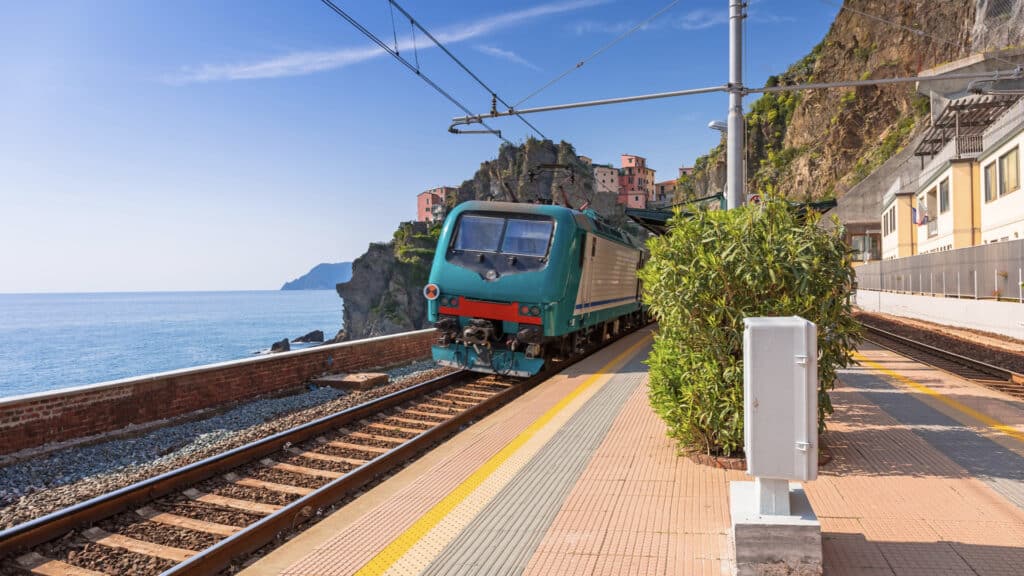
(489, 310)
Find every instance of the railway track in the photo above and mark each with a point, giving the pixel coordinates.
(986, 374)
(201, 518)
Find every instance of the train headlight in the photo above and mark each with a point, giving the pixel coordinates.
(524, 309)
(535, 310)
(491, 275)
(431, 292)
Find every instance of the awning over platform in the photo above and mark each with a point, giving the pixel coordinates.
(657, 220)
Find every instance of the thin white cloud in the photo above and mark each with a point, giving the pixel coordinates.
(309, 62)
(506, 55)
(701, 19)
(769, 18)
(586, 27)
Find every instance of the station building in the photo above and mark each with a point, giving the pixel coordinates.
(963, 195)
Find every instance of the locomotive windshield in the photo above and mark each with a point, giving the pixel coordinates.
(479, 233)
(517, 236)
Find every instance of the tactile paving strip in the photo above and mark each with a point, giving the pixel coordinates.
(504, 536)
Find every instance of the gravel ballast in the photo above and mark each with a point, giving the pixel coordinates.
(34, 487)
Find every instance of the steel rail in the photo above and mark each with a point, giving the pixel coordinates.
(50, 526)
(251, 538)
(983, 367)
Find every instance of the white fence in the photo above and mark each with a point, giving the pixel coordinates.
(990, 271)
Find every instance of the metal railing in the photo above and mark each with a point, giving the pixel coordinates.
(969, 146)
(989, 271)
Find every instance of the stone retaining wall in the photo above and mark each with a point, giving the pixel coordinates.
(63, 415)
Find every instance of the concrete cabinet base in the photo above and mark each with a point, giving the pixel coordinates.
(772, 544)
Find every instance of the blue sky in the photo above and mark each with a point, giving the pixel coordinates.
(198, 145)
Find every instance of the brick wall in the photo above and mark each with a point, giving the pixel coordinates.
(61, 415)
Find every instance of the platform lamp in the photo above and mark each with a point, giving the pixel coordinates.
(724, 129)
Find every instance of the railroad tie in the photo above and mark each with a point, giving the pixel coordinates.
(43, 566)
(327, 457)
(235, 503)
(272, 486)
(351, 446)
(169, 519)
(378, 437)
(316, 472)
(104, 538)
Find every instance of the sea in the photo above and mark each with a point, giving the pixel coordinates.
(50, 341)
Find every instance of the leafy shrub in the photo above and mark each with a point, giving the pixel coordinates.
(712, 271)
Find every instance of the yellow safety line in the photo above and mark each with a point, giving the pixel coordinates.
(400, 545)
(983, 418)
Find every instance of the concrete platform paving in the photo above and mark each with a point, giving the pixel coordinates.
(578, 477)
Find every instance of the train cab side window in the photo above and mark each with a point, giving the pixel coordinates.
(479, 233)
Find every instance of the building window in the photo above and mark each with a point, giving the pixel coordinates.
(1009, 172)
(944, 196)
(990, 182)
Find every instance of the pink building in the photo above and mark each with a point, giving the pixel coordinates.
(431, 206)
(636, 182)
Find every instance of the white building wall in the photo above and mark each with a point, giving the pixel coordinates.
(1003, 218)
(1006, 318)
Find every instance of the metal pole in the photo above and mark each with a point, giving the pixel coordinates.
(734, 154)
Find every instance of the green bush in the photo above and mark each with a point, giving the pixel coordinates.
(715, 269)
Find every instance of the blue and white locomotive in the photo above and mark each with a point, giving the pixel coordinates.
(514, 284)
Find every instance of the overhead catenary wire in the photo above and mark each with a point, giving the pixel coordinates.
(444, 49)
(596, 53)
(394, 31)
(991, 75)
(415, 69)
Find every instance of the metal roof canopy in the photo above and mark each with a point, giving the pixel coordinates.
(657, 220)
(963, 117)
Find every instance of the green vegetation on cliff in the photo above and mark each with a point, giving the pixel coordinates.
(817, 144)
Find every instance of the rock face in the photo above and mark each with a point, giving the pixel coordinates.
(282, 346)
(321, 277)
(820, 143)
(998, 23)
(385, 294)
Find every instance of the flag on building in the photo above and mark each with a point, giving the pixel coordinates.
(918, 216)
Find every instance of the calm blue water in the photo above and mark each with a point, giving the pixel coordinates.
(52, 341)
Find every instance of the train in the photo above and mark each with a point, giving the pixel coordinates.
(513, 286)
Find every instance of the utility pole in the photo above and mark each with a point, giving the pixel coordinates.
(735, 172)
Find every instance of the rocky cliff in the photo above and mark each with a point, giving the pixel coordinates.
(818, 144)
(384, 295)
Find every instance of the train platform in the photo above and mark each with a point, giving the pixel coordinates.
(577, 477)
